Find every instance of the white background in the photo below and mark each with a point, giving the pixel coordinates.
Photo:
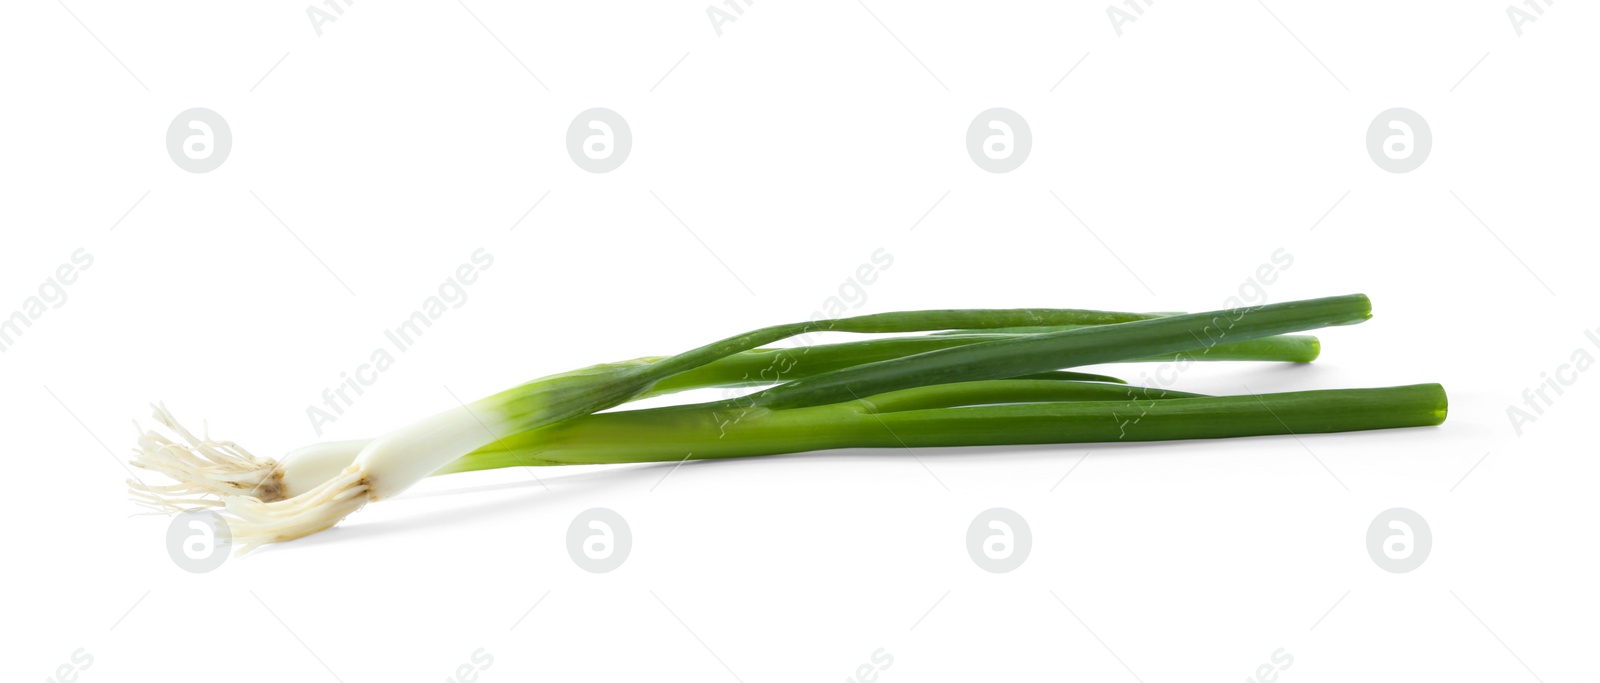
(791, 147)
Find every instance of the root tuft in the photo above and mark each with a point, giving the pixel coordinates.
(208, 472)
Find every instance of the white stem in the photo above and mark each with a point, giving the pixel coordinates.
(388, 465)
(397, 460)
(306, 468)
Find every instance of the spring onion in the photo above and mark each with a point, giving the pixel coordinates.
(989, 377)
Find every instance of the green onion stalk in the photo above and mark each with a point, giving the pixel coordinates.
(817, 402)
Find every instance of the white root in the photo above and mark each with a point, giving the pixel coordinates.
(207, 471)
(253, 523)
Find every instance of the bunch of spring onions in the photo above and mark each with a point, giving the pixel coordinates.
(982, 377)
